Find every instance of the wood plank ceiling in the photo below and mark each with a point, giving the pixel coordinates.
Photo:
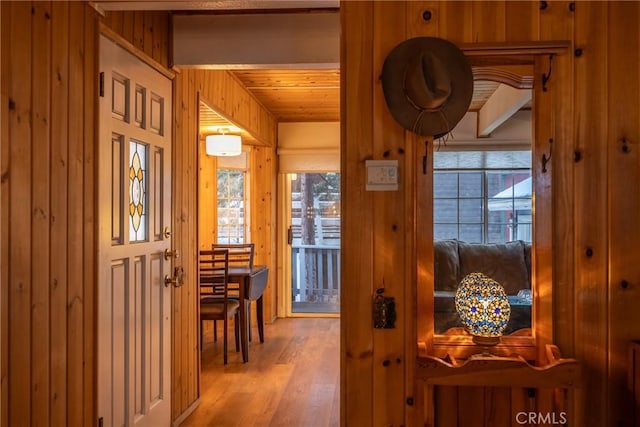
(296, 95)
(290, 95)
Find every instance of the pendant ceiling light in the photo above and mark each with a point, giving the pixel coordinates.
(223, 144)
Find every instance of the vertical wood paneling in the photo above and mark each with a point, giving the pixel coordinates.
(40, 169)
(190, 354)
(127, 25)
(471, 406)
(148, 36)
(590, 266)
(160, 38)
(518, 402)
(146, 30)
(624, 231)
(183, 391)
(633, 383)
(445, 398)
(497, 407)
(176, 337)
(542, 249)
(59, 184)
(488, 20)
(47, 159)
(115, 20)
(419, 257)
(227, 95)
(138, 29)
(522, 20)
(207, 193)
(455, 21)
(75, 301)
(20, 239)
(388, 223)
(418, 263)
(5, 42)
(356, 79)
(262, 175)
(557, 23)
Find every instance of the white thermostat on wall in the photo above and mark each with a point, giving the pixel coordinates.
(382, 175)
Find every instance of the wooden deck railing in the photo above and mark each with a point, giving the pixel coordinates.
(315, 273)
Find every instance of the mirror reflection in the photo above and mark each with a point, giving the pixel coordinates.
(482, 219)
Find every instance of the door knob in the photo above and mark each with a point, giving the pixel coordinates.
(177, 280)
(168, 280)
(168, 254)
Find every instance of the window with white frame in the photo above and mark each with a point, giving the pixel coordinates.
(232, 199)
(482, 197)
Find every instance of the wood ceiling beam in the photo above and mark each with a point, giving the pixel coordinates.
(500, 106)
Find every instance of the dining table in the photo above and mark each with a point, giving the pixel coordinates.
(251, 288)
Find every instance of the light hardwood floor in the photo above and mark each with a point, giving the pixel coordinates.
(292, 379)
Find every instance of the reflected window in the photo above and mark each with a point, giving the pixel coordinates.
(481, 201)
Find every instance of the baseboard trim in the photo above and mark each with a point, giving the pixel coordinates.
(186, 413)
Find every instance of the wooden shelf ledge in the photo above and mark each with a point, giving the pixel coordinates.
(497, 371)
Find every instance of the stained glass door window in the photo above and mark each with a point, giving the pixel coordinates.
(137, 192)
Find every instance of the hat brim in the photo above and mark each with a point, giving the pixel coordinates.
(441, 121)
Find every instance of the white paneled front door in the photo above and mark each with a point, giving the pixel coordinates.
(134, 196)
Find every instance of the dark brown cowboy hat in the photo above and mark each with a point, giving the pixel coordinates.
(428, 84)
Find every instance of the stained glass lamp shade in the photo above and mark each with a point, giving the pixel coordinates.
(483, 307)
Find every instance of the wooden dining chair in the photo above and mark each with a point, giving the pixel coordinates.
(215, 303)
(240, 255)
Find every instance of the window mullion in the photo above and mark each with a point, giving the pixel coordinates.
(485, 207)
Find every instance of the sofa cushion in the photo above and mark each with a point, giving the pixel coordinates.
(446, 265)
(504, 263)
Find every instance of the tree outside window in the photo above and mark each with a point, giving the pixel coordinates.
(231, 206)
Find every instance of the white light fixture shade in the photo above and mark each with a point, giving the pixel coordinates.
(223, 145)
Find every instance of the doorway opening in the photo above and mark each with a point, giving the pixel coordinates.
(313, 238)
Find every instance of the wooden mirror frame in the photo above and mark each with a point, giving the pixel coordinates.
(545, 109)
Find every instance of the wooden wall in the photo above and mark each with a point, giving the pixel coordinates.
(147, 31)
(595, 196)
(49, 99)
